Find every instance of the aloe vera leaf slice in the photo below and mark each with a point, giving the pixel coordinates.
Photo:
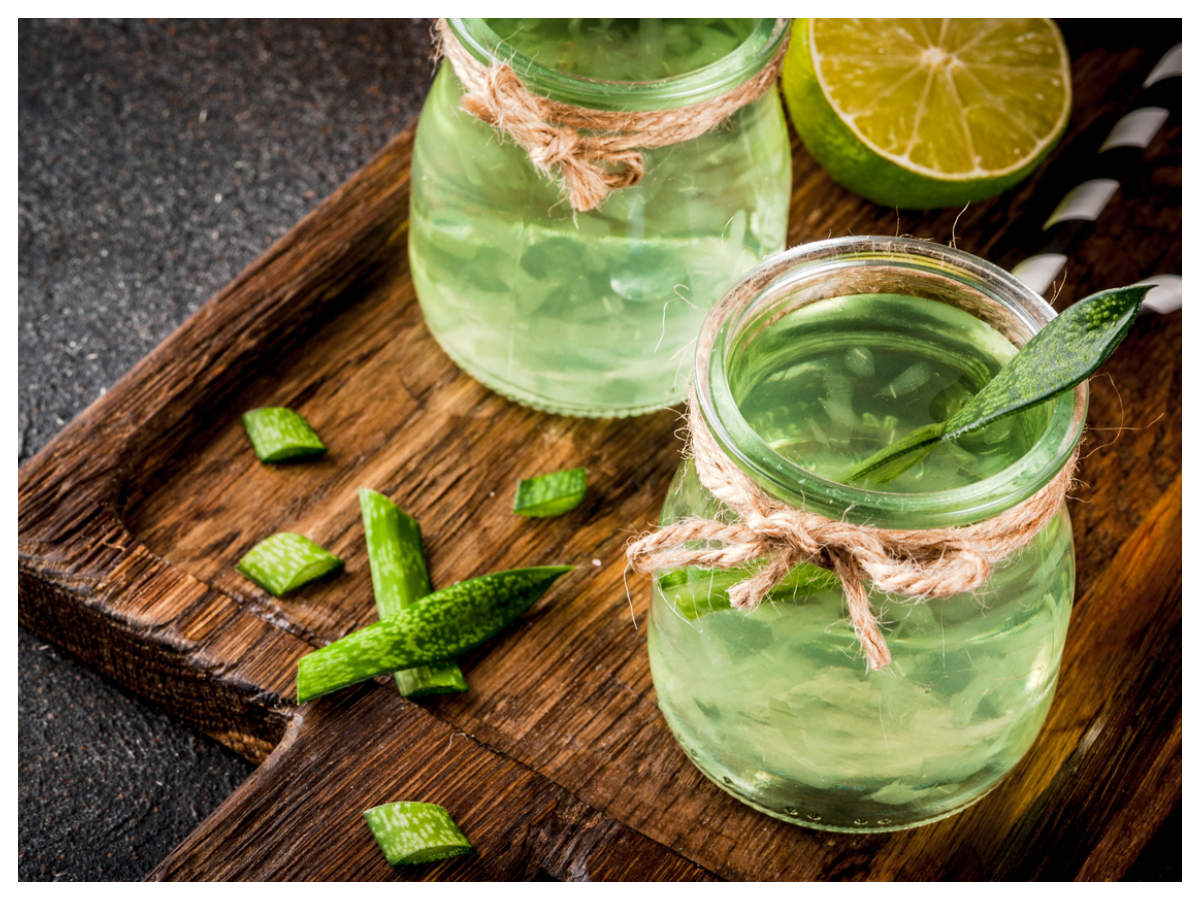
(400, 578)
(1068, 349)
(409, 832)
(551, 494)
(695, 592)
(285, 561)
(1071, 346)
(444, 625)
(279, 434)
(897, 457)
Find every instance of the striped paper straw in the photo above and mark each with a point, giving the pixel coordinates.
(1166, 295)
(1120, 155)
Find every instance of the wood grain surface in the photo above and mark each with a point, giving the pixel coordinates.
(557, 764)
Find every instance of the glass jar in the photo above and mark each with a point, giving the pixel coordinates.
(595, 313)
(851, 344)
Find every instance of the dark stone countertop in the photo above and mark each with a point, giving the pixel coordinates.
(156, 160)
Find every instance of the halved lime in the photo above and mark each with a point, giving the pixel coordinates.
(918, 113)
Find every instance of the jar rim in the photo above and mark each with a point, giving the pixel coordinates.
(696, 86)
(779, 278)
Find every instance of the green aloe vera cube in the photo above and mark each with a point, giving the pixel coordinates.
(285, 561)
(551, 494)
(409, 832)
(280, 434)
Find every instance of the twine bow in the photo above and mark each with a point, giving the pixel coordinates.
(594, 151)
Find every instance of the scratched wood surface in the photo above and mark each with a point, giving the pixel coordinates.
(557, 763)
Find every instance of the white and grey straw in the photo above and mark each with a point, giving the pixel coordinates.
(1119, 155)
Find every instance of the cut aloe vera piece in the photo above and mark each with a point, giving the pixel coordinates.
(285, 561)
(408, 832)
(551, 494)
(400, 578)
(694, 592)
(1068, 349)
(444, 625)
(279, 434)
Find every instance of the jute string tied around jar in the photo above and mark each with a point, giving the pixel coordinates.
(595, 151)
(921, 564)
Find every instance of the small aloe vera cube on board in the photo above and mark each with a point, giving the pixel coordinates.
(400, 578)
(408, 832)
(285, 561)
(279, 434)
(551, 494)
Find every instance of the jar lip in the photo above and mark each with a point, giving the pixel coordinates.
(696, 86)
(778, 277)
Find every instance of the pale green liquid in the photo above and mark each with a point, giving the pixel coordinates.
(778, 706)
(624, 49)
(592, 313)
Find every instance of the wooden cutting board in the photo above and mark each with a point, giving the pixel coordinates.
(557, 764)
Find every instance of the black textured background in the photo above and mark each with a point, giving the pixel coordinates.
(156, 160)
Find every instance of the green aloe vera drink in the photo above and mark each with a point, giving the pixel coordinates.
(778, 705)
(595, 313)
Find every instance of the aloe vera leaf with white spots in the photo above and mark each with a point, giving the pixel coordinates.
(1072, 346)
(444, 625)
(400, 578)
(899, 456)
(1067, 350)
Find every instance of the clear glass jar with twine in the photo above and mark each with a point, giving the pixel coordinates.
(582, 196)
(861, 657)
